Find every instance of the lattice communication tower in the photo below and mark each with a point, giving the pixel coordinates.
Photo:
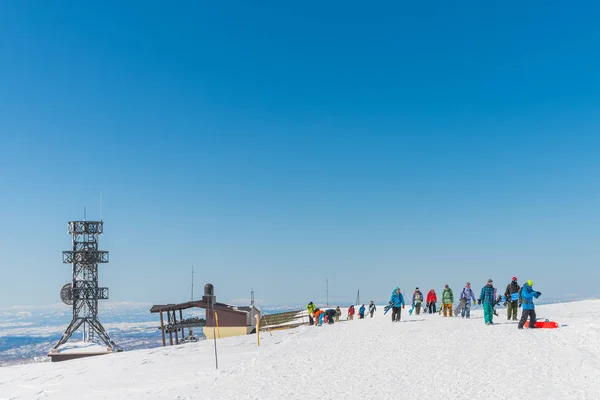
(83, 292)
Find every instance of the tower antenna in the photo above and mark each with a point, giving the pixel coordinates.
(192, 282)
(84, 293)
(100, 206)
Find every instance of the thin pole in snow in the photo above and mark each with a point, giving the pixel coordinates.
(212, 302)
(327, 290)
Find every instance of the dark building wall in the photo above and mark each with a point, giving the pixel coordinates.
(227, 318)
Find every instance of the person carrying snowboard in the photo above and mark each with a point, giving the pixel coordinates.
(447, 300)
(396, 302)
(527, 296)
(311, 310)
(512, 298)
(361, 312)
(487, 297)
(338, 314)
(467, 294)
(431, 300)
(372, 308)
(417, 300)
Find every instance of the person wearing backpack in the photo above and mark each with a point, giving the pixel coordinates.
(372, 308)
(431, 301)
(447, 300)
(527, 296)
(467, 294)
(417, 300)
(512, 298)
(396, 302)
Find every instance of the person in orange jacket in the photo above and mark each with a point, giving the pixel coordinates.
(319, 315)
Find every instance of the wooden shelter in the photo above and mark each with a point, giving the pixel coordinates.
(223, 319)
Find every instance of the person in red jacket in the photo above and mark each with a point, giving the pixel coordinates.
(351, 313)
(431, 300)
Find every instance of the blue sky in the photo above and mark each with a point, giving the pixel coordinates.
(274, 146)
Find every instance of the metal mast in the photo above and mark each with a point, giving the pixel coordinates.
(84, 291)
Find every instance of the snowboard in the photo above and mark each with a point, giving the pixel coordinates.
(460, 306)
(543, 324)
(411, 310)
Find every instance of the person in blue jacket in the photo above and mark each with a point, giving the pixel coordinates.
(396, 301)
(527, 296)
(361, 312)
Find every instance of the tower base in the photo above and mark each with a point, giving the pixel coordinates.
(74, 350)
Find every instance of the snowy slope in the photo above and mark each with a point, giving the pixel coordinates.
(424, 355)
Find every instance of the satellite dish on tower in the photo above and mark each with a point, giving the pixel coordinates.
(66, 294)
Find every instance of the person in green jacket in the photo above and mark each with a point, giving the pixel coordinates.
(311, 310)
(447, 300)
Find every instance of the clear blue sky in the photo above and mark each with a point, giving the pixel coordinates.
(273, 146)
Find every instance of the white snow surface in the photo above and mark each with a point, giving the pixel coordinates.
(425, 356)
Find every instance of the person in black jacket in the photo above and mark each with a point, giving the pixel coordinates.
(512, 298)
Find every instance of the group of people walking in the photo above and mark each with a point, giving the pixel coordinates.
(515, 298)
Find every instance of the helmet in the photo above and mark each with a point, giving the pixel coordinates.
(530, 282)
(514, 278)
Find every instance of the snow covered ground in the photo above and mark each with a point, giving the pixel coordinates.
(424, 356)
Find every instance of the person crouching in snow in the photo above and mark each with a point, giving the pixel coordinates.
(431, 300)
(319, 315)
(361, 312)
(396, 301)
(527, 296)
(351, 313)
(330, 312)
(487, 297)
(372, 308)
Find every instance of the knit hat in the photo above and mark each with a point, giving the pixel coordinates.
(514, 278)
(490, 281)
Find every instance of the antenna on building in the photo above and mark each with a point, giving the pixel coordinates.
(192, 282)
(100, 206)
(358, 297)
(84, 213)
(252, 297)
